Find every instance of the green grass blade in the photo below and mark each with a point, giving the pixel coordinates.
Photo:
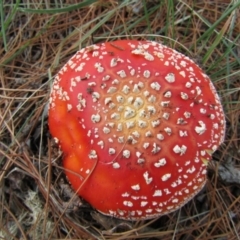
(58, 10)
(24, 46)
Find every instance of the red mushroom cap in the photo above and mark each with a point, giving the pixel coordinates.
(137, 123)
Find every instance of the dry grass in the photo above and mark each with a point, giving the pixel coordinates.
(37, 38)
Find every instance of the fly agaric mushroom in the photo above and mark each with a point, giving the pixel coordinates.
(137, 123)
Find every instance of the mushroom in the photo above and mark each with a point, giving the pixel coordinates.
(137, 122)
